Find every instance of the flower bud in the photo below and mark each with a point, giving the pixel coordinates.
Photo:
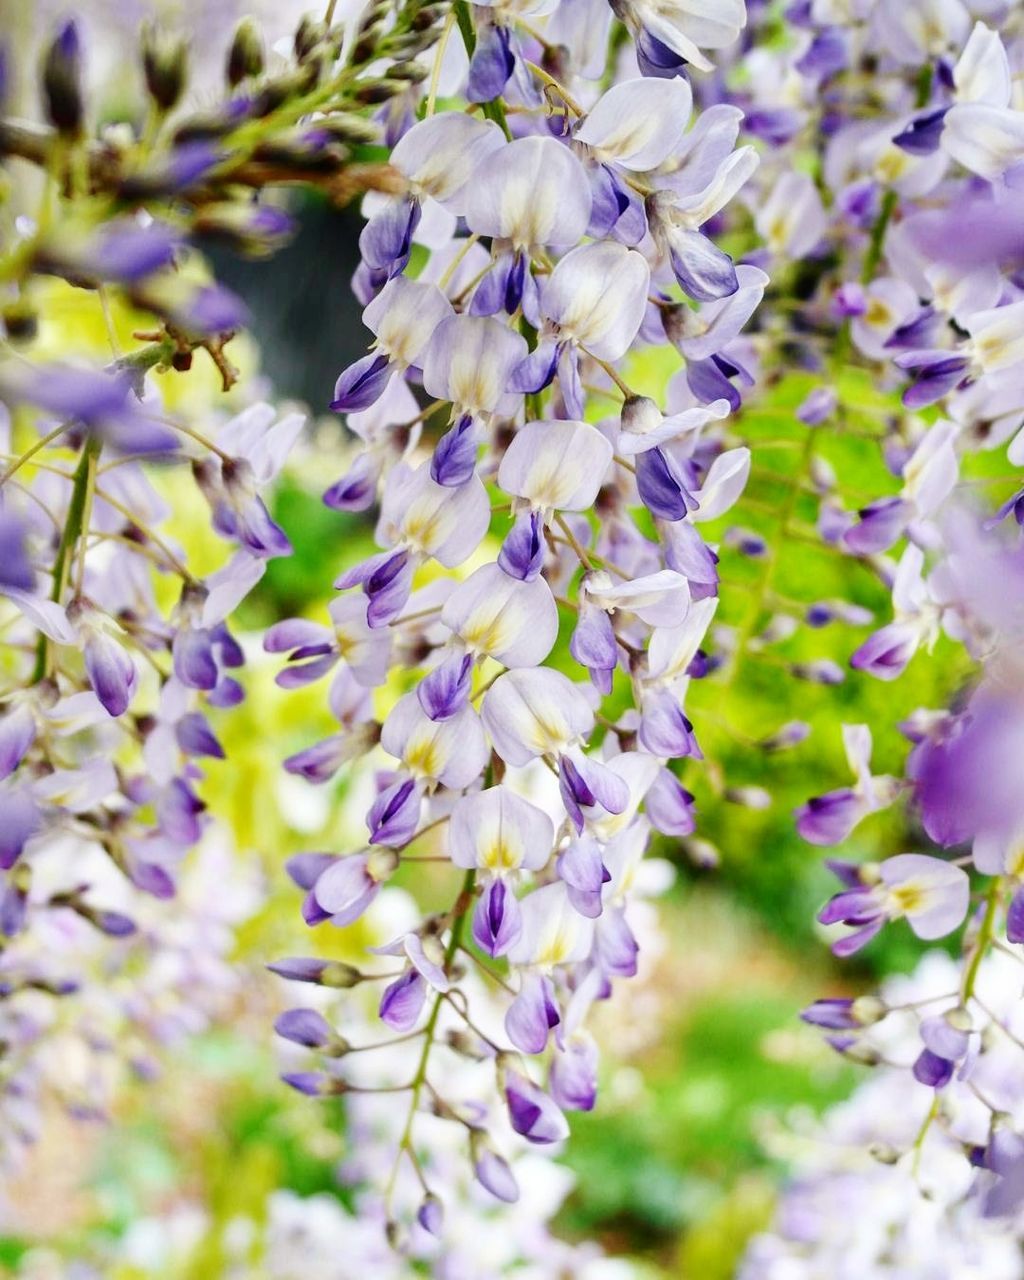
(468, 1046)
(430, 1214)
(862, 1053)
(681, 322)
(165, 65)
(414, 72)
(379, 91)
(779, 628)
(254, 229)
(334, 974)
(375, 16)
(280, 89)
(749, 797)
(428, 16)
(746, 541)
(20, 322)
(703, 854)
(791, 734)
(309, 33)
(640, 415)
(868, 1009)
(382, 864)
(245, 57)
(822, 671)
(959, 1019)
(346, 127)
(822, 474)
(314, 1084)
(62, 81)
(491, 1170)
(339, 976)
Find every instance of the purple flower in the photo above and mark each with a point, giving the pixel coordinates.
(394, 815)
(573, 1078)
(305, 1027)
(104, 401)
(123, 250)
(932, 1070)
(492, 64)
(532, 1014)
(532, 1112)
(491, 1170)
(522, 553)
(932, 895)
(836, 1014)
(23, 819)
(348, 886)
(830, 818)
(430, 1215)
(403, 1000)
(15, 568)
(497, 919)
(885, 654)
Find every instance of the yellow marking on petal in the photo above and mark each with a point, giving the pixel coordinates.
(423, 756)
(549, 735)
(878, 313)
(909, 896)
(472, 382)
(777, 231)
(501, 855)
(610, 826)
(421, 524)
(557, 948)
(891, 164)
(547, 484)
(486, 632)
(1015, 861)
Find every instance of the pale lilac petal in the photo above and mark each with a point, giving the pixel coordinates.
(534, 712)
(440, 154)
(45, 615)
(513, 621)
(556, 465)
(532, 192)
(596, 297)
(637, 123)
(498, 831)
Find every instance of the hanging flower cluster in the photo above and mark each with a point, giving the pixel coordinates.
(887, 199)
(116, 652)
(542, 591)
(80, 1015)
(856, 1206)
(288, 1236)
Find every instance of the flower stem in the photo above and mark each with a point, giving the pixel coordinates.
(881, 224)
(81, 485)
(981, 942)
(461, 911)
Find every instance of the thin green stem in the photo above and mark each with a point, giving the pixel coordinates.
(922, 1133)
(460, 914)
(982, 941)
(30, 453)
(881, 224)
(782, 533)
(81, 486)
